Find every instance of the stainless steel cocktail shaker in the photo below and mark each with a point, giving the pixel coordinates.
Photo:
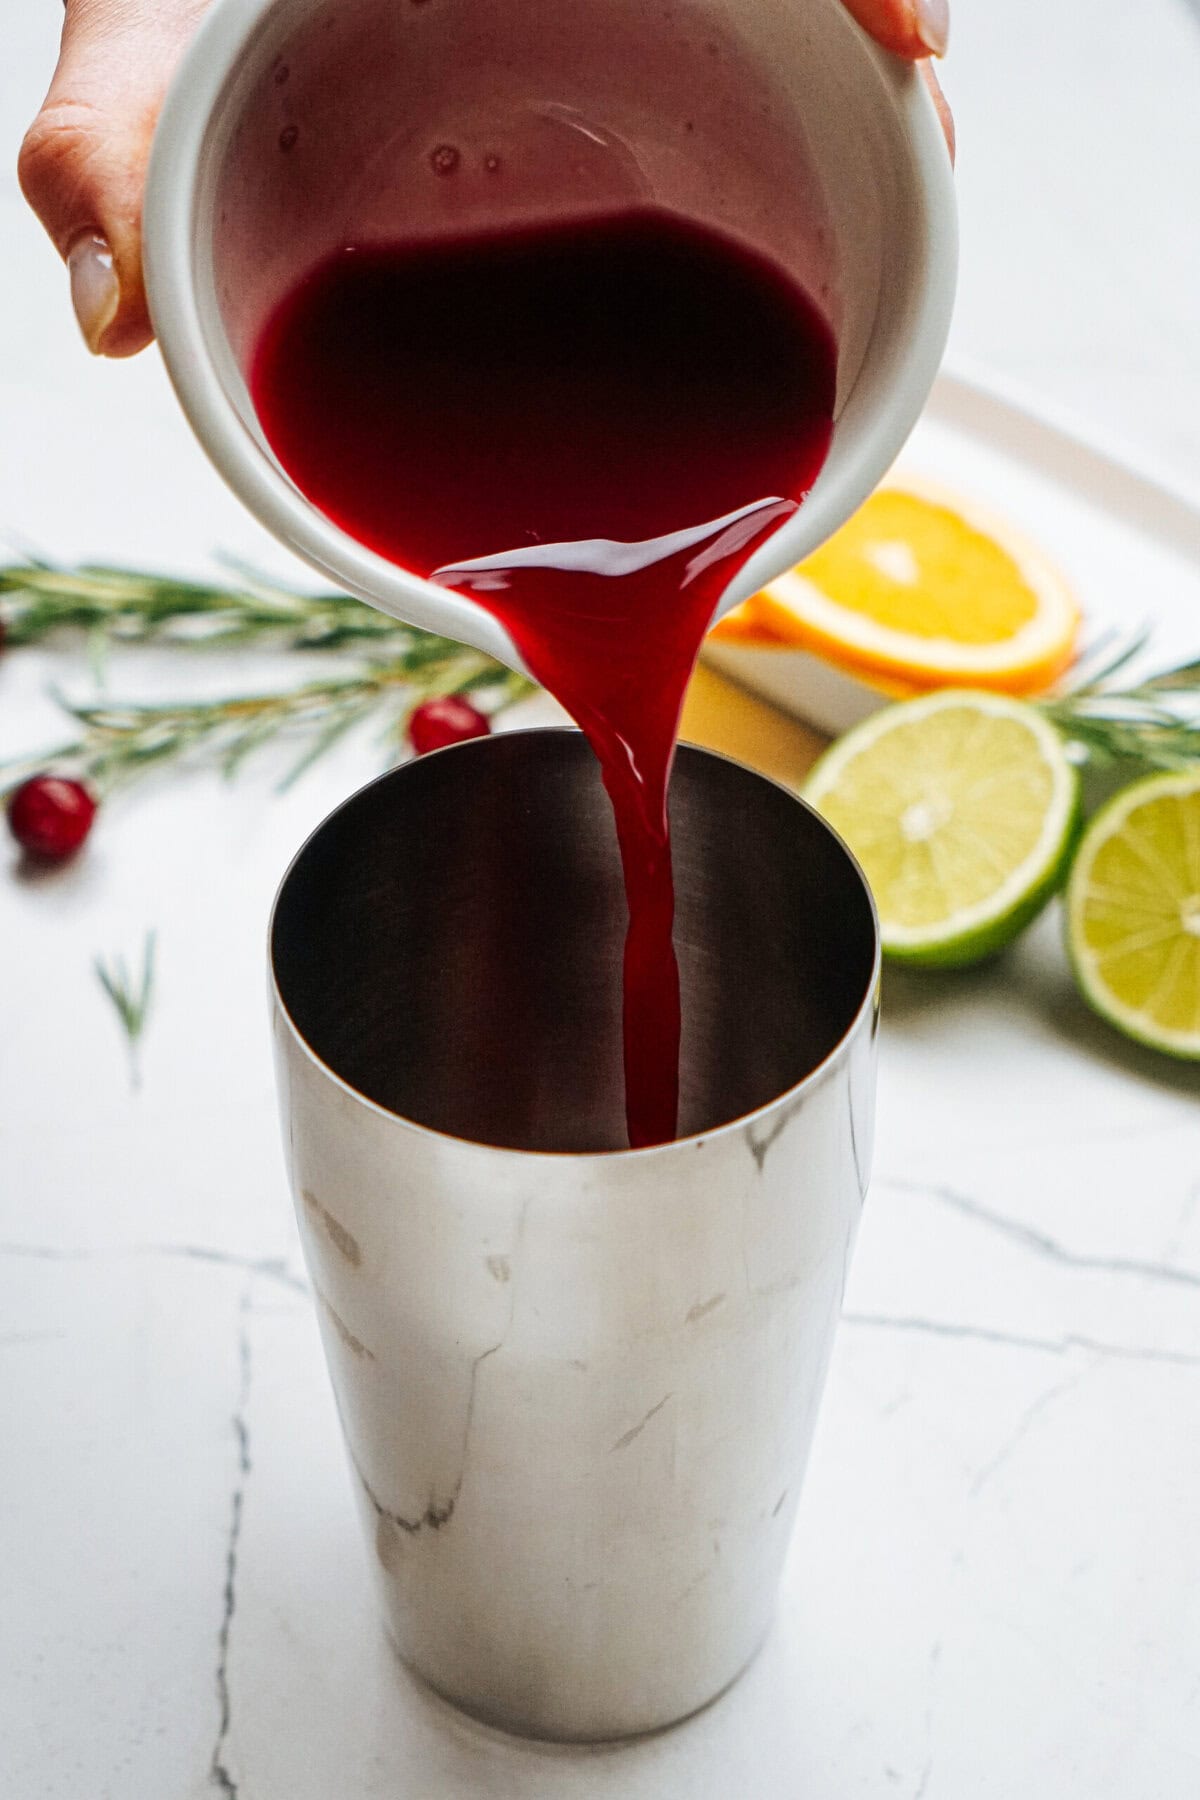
(577, 1383)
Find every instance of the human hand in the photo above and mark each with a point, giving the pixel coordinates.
(83, 163)
(916, 29)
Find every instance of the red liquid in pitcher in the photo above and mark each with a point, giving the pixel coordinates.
(603, 419)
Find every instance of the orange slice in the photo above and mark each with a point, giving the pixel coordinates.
(744, 626)
(923, 589)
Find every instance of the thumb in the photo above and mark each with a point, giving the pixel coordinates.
(82, 165)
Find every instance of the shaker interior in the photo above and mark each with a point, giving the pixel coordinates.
(450, 943)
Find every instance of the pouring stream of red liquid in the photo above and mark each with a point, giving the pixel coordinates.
(588, 428)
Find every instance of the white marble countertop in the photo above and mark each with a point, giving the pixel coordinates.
(994, 1588)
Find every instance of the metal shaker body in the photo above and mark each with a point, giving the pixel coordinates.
(577, 1383)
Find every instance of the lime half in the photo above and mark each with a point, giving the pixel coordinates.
(962, 809)
(1133, 913)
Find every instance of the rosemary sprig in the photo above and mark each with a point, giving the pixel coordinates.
(125, 606)
(131, 999)
(1154, 720)
(397, 667)
(118, 742)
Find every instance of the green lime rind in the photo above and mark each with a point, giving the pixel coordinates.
(984, 929)
(1107, 824)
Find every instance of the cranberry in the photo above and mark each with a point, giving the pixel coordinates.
(447, 721)
(50, 816)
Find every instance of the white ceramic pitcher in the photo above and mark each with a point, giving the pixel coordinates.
(296, 126)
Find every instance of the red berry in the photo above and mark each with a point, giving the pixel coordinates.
(447, 721)
(50, 816)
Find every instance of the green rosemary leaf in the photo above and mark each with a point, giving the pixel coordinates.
(256, 734)
(97, 654)
(131, 1000)
(1100, 665)
(1186, 676)
(337, 728)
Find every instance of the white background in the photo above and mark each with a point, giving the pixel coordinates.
(994, 1588)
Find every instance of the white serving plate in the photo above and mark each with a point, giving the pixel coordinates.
(1127, 538)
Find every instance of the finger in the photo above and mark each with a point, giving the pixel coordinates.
(943, 106)
(912, 28)
(82, 165)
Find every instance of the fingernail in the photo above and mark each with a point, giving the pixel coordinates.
(933, 25)
(95, 291)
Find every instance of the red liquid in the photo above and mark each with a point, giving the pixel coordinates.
(576, 410)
